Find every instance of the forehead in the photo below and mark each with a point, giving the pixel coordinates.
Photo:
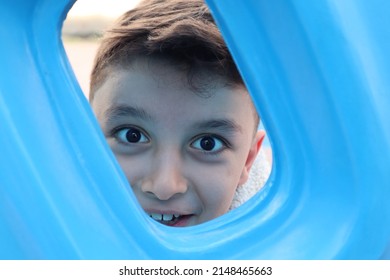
(163, 91)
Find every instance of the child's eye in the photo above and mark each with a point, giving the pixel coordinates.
(131, 135)
(208, 144)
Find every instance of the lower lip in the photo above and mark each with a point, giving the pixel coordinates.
(181, 222)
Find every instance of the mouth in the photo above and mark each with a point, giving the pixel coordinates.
(173, 220)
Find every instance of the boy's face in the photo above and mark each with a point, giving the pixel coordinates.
(183, 154)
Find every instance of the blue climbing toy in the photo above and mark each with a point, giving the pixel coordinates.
(319, 74)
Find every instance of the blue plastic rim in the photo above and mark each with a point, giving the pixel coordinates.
(318, 73)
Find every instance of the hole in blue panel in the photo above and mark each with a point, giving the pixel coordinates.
(82, 33)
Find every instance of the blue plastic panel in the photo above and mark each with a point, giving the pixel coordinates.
(318, 72)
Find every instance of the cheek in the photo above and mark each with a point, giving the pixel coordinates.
(216, 188)
(134, 168)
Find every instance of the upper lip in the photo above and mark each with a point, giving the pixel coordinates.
(167, 212)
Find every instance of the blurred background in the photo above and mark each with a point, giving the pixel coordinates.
(85, 23)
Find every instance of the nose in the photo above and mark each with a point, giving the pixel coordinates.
(165, 178)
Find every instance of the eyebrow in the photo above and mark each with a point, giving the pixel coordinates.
(118, 111)
(221, 124)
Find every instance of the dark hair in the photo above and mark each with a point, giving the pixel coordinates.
(182, 31)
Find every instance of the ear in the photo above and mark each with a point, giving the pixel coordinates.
(253, 152)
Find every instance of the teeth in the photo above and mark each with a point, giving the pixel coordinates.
(163, 217)
(167, 217)
(157, 217)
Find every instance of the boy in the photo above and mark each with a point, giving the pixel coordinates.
(175, 111)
